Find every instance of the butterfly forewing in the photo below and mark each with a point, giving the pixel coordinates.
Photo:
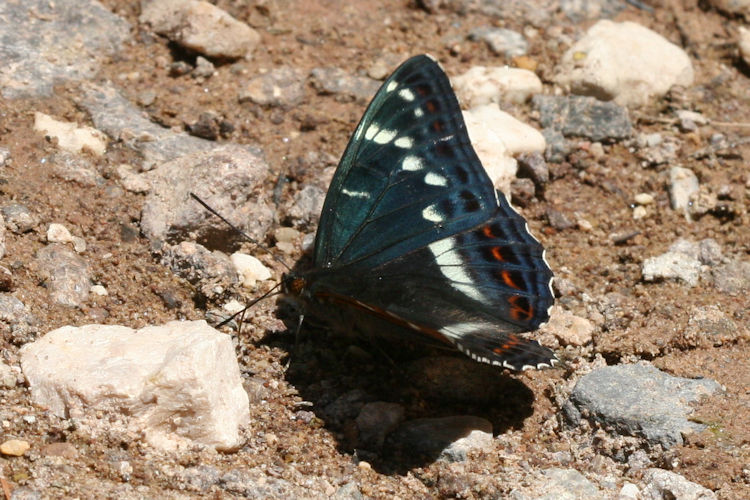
(408, 176)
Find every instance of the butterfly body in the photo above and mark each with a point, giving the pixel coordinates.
(413, 238)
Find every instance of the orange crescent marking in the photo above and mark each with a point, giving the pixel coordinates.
(487, 230)
(498, 254)
(508, 280)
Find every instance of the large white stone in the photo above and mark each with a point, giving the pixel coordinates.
(496, 137)
(482, 85)
(625, 62)
(178, 382)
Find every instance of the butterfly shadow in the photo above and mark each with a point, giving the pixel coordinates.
(397, 405)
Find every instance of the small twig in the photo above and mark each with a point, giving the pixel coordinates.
(731, 124)
(6, 488)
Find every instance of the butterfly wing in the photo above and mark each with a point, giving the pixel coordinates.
(408, 176)
(412, 229)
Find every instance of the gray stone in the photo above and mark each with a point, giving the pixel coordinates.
(256, 483)
(583, 117)
(65, 274)
(8, 379)
(308, 203)
(562, 484)
(283, 86)
(338, 82)
(665, 485)
(501, 41)
(557, 147)
(349, 491)
(639, 400)
(710, 252)
(447, 438)
(709, 327)
(578, 10)
(200, 478)
(45, 43)
(733, 277)
(123, 121)
(203, 68)
(75, 168)
(672, 265)
(533, 166)
(375, 421)
(228, 179)
(210, 271)
(18, 319)
(18, 218)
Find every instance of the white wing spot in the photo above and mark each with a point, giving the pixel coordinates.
(434, 179)
(418, 113)
(406, 95)
(404, 142)
(356, 194)
(450, 264)
(372, 130)
(431, 214)
(384, 136)
(391, 86)
(412, 163)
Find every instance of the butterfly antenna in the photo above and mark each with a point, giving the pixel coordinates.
(241, 232)
(270, 293)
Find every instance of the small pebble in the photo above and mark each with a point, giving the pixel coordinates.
(286, 234)
(639, 212)
(14, 447)
(98, 290)
(250, 269)
(57, 233)
(643, 199)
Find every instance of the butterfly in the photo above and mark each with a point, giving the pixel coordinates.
(414, 239)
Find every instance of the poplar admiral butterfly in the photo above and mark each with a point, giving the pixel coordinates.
(415, 241)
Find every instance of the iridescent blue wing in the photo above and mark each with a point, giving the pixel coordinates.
(408, 176)
(412, 229)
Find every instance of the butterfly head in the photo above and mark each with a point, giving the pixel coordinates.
(292, 284)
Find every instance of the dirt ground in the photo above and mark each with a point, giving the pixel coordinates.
(287, 438)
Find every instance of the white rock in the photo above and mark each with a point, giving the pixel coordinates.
(625, 62)
(70, 136)
(200, 26)
(629, 491)
(663, 484)
(98, 290)
(643, 199)
(744, 44)
(568, 328)
(683, 184)
(178, 382)
(250, 269)
(131, 180)
(496, 136)
(672, 265)
(57, 233)
(482, 85)
(639, 212)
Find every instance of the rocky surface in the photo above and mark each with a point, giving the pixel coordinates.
(626, 152)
